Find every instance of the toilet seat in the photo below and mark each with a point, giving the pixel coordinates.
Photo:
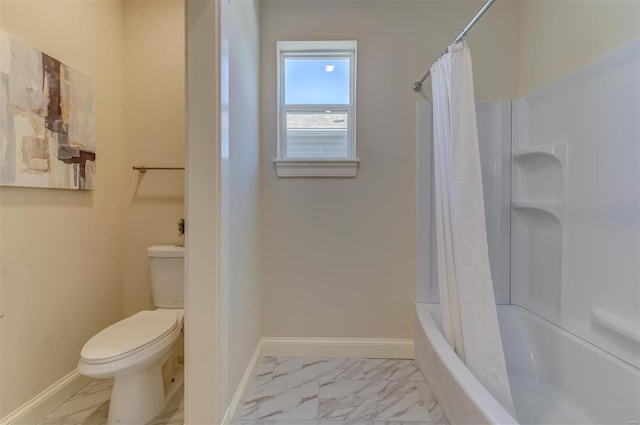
(130, 336)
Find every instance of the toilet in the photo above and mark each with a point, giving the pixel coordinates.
(140, 352)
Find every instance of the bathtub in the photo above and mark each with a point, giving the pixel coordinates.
(555, 377)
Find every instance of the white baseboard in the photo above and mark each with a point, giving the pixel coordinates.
(233, 412)
(41, 405)
(375, 348)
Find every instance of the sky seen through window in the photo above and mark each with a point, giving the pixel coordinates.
(316, 81)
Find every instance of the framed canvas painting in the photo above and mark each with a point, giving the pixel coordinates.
(47, 136)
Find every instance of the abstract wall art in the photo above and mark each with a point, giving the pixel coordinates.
(47, 136)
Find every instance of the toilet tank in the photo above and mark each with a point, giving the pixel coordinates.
(166, 263)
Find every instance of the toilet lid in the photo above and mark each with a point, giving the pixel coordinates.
(129, 336)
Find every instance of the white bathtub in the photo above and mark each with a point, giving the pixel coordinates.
(556, 378)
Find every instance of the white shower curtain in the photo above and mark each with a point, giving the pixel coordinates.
(466, 289)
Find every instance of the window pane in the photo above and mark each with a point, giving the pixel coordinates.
(316, 81)
(318, 134)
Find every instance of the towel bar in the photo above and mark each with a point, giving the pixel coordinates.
(142, 169)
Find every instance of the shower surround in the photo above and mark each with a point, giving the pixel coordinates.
(561, 173)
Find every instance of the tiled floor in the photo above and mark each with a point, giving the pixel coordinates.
(91, 406)
(321, 391)
(298, 391)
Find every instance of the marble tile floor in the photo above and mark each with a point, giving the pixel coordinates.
(90, 406)
(339, 391)
(297, 391)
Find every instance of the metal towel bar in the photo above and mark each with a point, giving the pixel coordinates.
(142, 169)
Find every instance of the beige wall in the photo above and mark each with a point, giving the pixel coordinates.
(558, 37)
(240, 188)
(203, 301)
(61, 266)
(223, 282)
(135, 54)
(154, 136)
(338, 255)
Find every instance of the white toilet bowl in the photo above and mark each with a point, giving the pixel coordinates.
(133, 352)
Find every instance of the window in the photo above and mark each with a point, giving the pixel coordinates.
(316, 109)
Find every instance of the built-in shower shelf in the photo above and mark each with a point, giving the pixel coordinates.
(557, 151)
(625, 327)
(539, 172)
(555, 208)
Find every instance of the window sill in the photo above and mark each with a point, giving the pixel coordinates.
(316, 167)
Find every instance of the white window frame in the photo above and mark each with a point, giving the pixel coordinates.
(316, 167)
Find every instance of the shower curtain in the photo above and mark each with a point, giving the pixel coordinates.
(470, 319)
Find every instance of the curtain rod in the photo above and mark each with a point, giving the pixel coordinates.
(417, 86)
